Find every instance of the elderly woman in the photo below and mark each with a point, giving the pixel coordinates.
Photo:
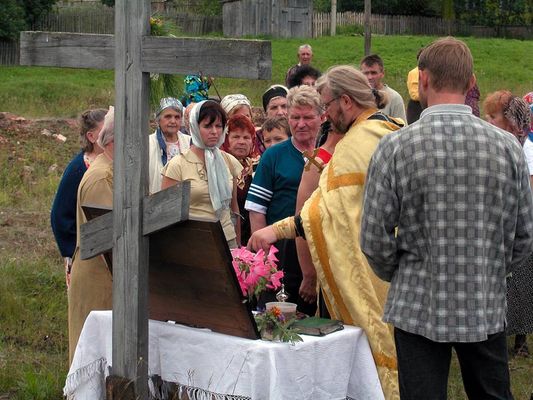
(511, 113)
(239, 143)
(63, 215)
(237, 104)
(213, 173)
(91, 282)
(167, 141)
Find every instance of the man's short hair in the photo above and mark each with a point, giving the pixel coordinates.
(278, 122)
(348, 80)
(449, 64)
(372, 59)
(305, 46)
(304, 96)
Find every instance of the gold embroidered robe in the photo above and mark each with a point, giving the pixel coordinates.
(332, 223)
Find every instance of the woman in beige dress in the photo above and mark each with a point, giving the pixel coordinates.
(91, 281)
(212, 172)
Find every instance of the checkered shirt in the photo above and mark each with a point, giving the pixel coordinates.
(448, 212)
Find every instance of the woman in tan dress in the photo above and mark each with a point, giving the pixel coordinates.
(91, 281)
(212, 172)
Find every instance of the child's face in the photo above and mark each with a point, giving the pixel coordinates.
(276, 135)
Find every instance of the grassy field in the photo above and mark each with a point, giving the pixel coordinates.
(53, 92)
(33, 337)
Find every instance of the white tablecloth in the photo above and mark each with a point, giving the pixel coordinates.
(337, 366)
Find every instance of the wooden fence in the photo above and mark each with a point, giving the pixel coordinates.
(413, 25)
(386, 24)
(9, 52)
(101, 20)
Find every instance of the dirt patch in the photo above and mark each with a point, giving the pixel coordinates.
(30, 151)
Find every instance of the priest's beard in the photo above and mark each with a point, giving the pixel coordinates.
(340, 122)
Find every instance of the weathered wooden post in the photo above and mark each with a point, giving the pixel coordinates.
(130, 250)
(135, 215)
(368, 27)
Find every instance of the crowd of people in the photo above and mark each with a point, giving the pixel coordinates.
(415, 223)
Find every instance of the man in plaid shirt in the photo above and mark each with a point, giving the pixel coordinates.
(448, 213)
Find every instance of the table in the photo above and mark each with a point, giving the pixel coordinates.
(211, 365)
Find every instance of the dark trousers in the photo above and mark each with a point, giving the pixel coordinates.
(414, 109)
(423, 367)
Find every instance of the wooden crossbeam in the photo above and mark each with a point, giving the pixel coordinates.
(161, 209)
(245, 59)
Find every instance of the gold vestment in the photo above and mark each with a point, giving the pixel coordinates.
(332, 222)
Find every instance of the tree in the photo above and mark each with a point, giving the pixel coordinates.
(35, 9)
(387, 7)
(12, 20)
(447, 10)
(18, 15)
(495, 13)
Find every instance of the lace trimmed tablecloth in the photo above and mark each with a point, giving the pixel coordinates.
(209, 365)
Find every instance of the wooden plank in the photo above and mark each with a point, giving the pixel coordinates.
(96, 236)
(166, 207)
(130, 252)
(119, 388)
(192, 280)
(73, 50)
(245, 59)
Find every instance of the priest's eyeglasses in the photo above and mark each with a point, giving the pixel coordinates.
(326, 105)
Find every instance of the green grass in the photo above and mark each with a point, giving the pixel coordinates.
(33, 303)
(46, 92)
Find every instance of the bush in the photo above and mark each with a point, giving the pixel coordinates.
(350, 30)
(12, 21)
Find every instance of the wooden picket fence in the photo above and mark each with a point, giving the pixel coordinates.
(9, 52)
(413, 25)
(386, 24)
(101, 20)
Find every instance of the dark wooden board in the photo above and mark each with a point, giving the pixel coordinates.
(192, 280)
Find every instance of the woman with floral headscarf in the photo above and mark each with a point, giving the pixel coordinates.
(235, 104)
(167, 141)
(212, 172)
(512, 114)
(239, 143)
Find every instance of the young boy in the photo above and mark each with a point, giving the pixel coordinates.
(275, 130)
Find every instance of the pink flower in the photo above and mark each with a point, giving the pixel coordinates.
(256, 272)
(275, 280)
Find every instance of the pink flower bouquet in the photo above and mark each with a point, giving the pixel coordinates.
(256, 271)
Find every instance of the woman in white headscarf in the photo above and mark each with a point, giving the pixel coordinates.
(167, 141)
(235, 104)
(212, 172)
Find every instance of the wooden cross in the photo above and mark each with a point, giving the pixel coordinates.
(135, 54)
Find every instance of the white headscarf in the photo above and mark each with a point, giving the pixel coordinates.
(232, 101)
(107, 133)
(220, 191)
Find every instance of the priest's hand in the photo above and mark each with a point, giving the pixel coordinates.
(308, 289)
(262, 239)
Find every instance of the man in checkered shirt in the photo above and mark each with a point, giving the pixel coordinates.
(448, 213)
